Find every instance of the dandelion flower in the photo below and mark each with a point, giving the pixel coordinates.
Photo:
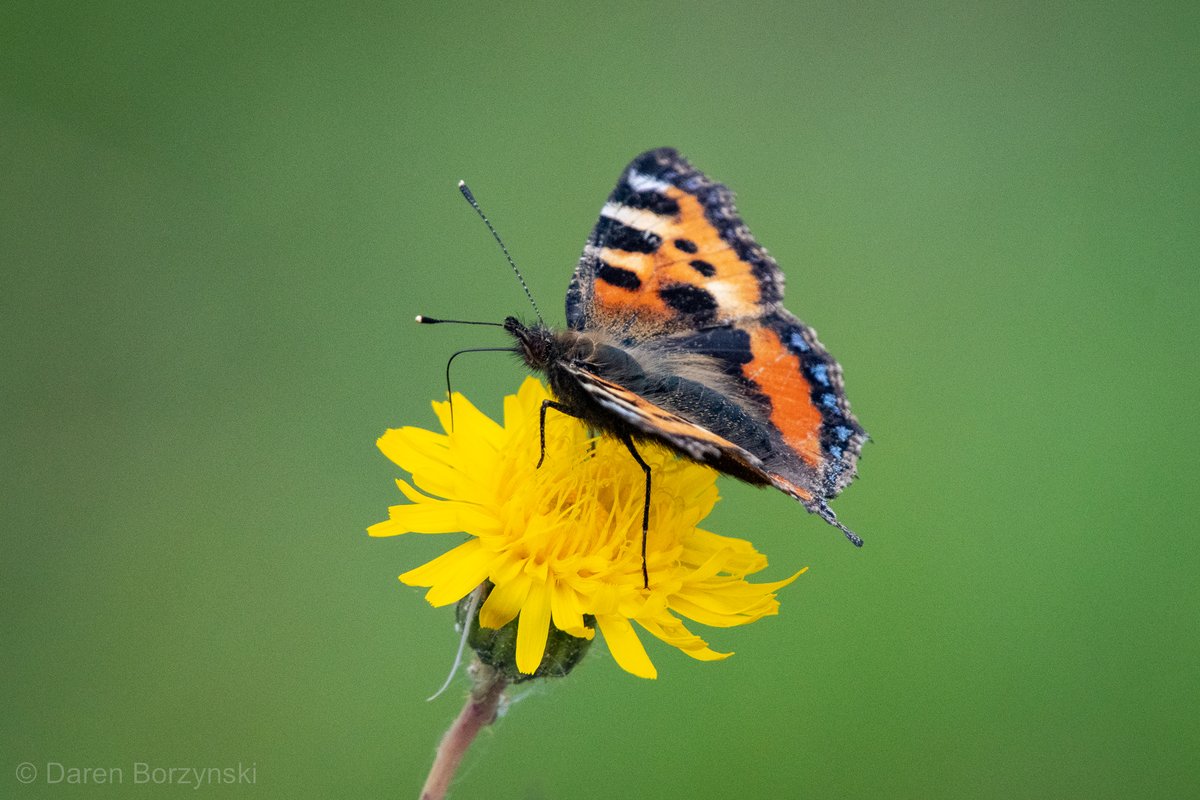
(562, 545)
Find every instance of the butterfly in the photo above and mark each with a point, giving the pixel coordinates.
(676, 334)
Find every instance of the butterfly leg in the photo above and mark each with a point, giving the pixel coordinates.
(628, 441)
(560, 408)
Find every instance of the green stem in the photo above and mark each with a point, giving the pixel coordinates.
(477, 714)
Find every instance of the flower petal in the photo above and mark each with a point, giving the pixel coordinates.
(720, 618)
(396, 443)
(505, 601)
(533, 627)
(526, 403)
(725, 603)
(626, 648)
(741, 559)
(471, 424)
(438, 517)
(673, 632)
(477, 520)
(413, 494)
(567, 611)
(453, 574)
(425, 455)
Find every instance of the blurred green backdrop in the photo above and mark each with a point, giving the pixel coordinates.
(218, 220)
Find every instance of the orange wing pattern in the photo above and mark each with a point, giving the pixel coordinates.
(696, 441)
(670, 253)
(671, 263)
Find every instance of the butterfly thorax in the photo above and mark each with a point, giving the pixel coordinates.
(558, 353)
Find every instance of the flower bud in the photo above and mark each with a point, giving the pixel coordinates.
(497, 647)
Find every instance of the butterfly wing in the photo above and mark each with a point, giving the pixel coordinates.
(796, 386)
(652, 421)
(671, 267)
(670, 253)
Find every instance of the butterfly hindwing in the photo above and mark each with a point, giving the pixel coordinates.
(782, 371)
(653, 421)
(837, 439)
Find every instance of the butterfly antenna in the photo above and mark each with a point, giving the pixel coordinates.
(424, 320)
(456, 354)
(466, 192)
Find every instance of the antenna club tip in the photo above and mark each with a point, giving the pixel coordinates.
(461, 184)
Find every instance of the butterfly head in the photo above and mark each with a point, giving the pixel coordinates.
(535, 343)
(546, 350)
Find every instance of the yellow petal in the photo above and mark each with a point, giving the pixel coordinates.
(396, 443)
(567, 610)
(526, 404)
(477, 520)
(715, 564)
(674, 633)
(471, 426)
(440, 517)
(626, 648)
(777, 585)
(387, 528)
(720, 618)
(724, 602)
(426, 457)
(453, 574)
(412, 494)
(505, 601)
(742, 558)
(533, 627)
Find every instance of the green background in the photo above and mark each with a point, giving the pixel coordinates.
(218, 220)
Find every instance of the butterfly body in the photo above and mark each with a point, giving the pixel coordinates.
(676, 334)
(577, 363)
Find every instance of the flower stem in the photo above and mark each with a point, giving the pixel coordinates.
(478, 713)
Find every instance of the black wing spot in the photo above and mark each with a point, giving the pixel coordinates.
(619, 277)
(653, 202)
(703, 267)
(686, 245)
(618, 236)
(690, 300)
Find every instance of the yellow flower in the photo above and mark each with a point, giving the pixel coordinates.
(562, 544)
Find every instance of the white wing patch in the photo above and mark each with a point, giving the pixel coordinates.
(636, 218)
(641, 182)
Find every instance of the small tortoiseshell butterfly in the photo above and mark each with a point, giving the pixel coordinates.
(677, 335)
